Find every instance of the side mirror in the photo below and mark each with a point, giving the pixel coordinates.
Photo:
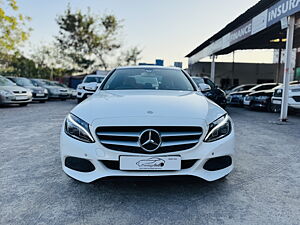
(204, 87)
(91, 87)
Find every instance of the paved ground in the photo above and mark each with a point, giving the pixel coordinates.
(263, 189)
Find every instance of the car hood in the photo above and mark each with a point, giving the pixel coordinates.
(13, 88)
(143, 103)
(34, 88)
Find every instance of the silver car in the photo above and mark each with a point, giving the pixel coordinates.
(39, 94)
(10, 93)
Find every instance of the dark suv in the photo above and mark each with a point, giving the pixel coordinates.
(216, 94)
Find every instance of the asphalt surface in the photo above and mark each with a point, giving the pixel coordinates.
(264, 188)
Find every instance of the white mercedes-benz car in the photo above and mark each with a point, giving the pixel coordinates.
(147, 121)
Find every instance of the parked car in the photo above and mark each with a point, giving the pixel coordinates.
(72, 92)
(39, 94)
(84, 89)
(215, 93)
(237, 98)
(54, 91)
(243, 87)
(294, 97)
(260, 100)
(10, 93)
(147, 113)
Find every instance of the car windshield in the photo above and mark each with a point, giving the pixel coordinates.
(93, 79)
(198, 80)
(46, 82)
(6, 82)
(21, 81)
(148, 78)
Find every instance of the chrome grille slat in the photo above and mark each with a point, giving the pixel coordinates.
(124, 134)
(177, 134)
(174, 143)
(126, 143)
(126, 139)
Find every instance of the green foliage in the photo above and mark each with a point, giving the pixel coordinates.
(130, 57)
(88, 41)
(12, 26)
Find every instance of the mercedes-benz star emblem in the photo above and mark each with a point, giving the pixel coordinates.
(150, 140)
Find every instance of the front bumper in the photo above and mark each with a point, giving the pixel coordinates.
(59, 96)
(8, 100)
(98, 154)
(233, 100)
(39, 97)
(83, 94)
(291, 102)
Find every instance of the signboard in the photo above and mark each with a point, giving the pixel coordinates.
(284, 23)
(267, 18)
(259, 22)
(282, 9)
(241, 33)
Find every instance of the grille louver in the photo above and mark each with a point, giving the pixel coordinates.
(126, 139)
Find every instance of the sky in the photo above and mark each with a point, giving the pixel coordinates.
(163, 29)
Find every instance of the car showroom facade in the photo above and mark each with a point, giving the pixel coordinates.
(270, 24)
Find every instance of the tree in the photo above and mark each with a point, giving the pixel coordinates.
(130, 57)
(87, 40)
(13, 29)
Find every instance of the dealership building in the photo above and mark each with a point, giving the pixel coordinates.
(270, 24)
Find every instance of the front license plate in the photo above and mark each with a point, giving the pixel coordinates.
(21, 98)
(40, 95)
(165, 163)
(277, 102)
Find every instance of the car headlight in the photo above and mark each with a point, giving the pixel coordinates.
(45, 91)
(6, 93)
(219, 129)
(78, 129)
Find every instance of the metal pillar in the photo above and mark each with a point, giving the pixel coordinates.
(213, 69)
(287, 68)
(279, 63)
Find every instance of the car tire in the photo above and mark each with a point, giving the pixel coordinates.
(269, 107)
(275, 108)
(43, 101)
(63, 99)
(23, 104)
(79, 100)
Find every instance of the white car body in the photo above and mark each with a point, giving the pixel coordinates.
(294, 96)
(144, 110)
(82, 92)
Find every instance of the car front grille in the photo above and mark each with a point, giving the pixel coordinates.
(115, 165)
(126, 139)
(19, 92)
(296, 98)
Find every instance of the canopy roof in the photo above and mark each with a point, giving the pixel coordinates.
(234, 36)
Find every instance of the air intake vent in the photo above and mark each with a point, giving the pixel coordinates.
(126, 139)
